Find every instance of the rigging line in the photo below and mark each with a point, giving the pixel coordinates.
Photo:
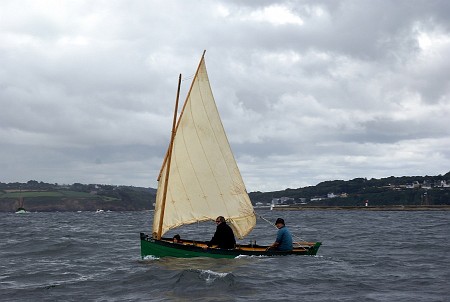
(188, 77)
(263, 218)
(260, 216)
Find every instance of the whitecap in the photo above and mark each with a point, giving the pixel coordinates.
(250, 256)
(210, 276)
(150, 257)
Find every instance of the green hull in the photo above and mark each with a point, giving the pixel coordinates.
(190, 249)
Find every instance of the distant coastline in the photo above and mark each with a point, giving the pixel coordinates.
(362, 193)
(406, 193)
(363, 208)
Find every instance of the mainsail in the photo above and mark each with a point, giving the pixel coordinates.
(204, 180)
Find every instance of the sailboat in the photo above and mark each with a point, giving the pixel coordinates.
(21, 209)
(200, 180)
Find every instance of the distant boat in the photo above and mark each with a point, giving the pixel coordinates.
(260, 205)
(99, 211)
(21, 211)
(281, 205)
(20, 208)
(200, 180)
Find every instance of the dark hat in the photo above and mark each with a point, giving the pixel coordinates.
(279, 220)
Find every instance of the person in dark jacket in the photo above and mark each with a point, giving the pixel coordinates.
(224, 236)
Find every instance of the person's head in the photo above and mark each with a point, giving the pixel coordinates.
(176, 238)
(279, 223)
(220, 219)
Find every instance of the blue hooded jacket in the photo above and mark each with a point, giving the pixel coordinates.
(284, 238)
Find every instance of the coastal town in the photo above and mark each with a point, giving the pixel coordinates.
(422, 192)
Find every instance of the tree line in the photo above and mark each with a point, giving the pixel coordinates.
(385, 191)
(404, 190)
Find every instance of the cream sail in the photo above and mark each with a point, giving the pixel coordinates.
(204, 181)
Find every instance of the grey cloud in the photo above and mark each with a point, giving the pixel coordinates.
(88, 87)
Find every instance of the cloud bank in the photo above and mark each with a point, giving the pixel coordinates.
(308, 90)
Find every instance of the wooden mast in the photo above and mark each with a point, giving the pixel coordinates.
(169, 157)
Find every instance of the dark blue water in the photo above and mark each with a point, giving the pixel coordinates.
(365, 256)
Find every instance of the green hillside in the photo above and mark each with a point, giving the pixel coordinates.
(39, 196)
(405, 190)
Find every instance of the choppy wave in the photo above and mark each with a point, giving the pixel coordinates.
(364, 257)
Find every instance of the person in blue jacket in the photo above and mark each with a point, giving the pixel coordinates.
(284, 237)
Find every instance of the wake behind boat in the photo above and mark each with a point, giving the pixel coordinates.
(200, 180)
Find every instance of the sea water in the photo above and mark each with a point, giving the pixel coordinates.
(365, 256)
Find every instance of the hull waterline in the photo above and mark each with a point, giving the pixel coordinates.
(189, 249)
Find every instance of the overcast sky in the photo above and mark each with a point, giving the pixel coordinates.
(308, 91)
